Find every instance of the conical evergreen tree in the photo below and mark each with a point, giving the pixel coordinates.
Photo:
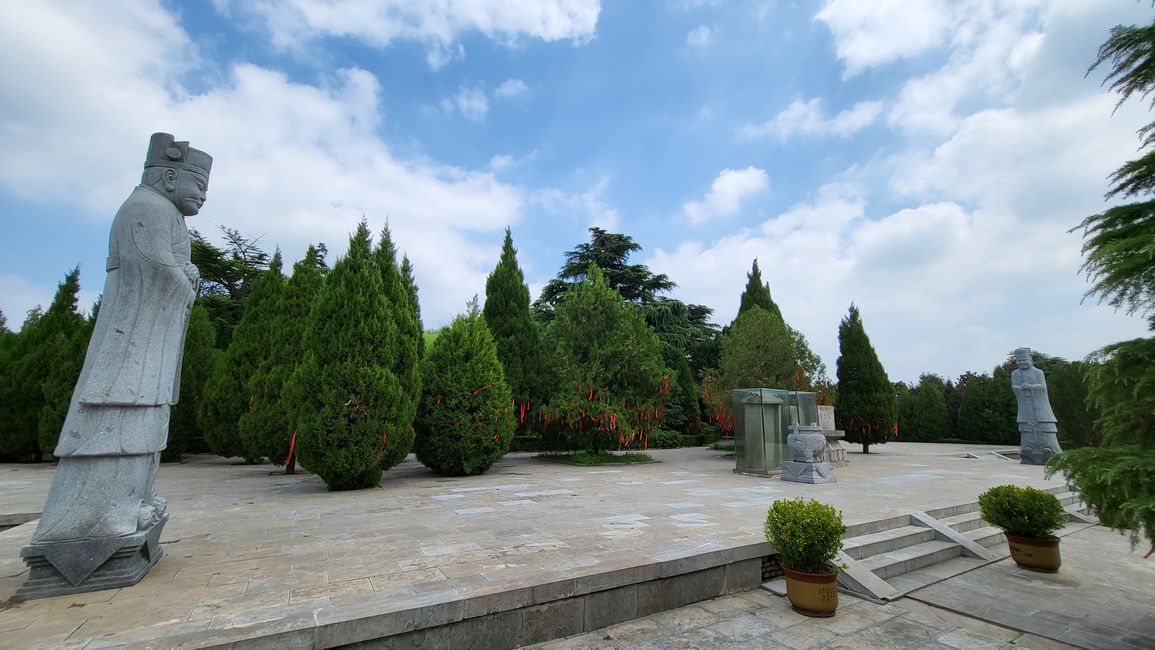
(610, 368)
(197, 363)
(354, 409)
(519, 345)
(757, 293)
(411, 288)
(267, 428)
(226, 396)
(404, 312)
(465, 416)
(49, 369)
(756, 353)
(866, 408)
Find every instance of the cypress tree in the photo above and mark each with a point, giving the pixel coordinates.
(465, 415)
(406, 319)
(227, 395)
(922, 410)
(267, 428)
(197, 363)
(756, 353)
(865, 408)
(411, 288)
(352, 405)
(51, 366)
(15, 389)
(610, 367)
(757, 293)
(519, 346)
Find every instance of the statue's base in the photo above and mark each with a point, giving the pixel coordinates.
(63, 568)
(808, 472)
(1034, 457)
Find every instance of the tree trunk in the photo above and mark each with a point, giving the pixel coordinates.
(866, 447)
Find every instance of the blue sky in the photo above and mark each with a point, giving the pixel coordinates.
(921, 158)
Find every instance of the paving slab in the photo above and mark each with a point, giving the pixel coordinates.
(249, 553)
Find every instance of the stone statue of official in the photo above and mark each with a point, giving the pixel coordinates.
(1038, 426)
(102, 520)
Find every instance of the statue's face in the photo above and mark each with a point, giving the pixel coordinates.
(190, 192)
(1023, 362)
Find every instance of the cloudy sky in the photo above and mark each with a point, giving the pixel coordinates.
(921, 158)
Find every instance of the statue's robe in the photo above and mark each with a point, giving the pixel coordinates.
(117, 422)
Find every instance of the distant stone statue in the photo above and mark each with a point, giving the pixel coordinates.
(101, 524)
(1038, 428)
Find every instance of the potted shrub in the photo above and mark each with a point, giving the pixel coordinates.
(1029, 517)
(807, 536)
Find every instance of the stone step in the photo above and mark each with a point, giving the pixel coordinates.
(886, 541)
(987, 535)
(867, 528)
(954, 511)
(929, 575)
(905, 560)
(965, 522)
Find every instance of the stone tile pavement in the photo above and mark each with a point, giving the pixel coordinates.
(250, 553)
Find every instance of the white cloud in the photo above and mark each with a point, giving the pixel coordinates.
(726, 195)
(472, 103)
(293, 24)
(870, 34)
(511, 88)
(301, 162)
(700, 36)
(806, 118)
(590, 205)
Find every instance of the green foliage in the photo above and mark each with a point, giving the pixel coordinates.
(988, 409)
(266, 428)
(197, 363)
(401, 297)
(663, 439)
(465, 416)
(1116, 483)
(586, 457)
(410, 283)
(756, 353)
(1122, 387)
(757, 293)
(609, 252)
(922, 414)
(1022, 511)
(806, 534)
(65, 335)
(228, 394)
(866, 408)
(1067, 386)
(519, 344)
(227, 275)
(354, 410)
(609, 367)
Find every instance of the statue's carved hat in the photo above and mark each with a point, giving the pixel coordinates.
(165, 151)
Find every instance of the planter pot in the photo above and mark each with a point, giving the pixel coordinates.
(812, 594)
(1036, 554)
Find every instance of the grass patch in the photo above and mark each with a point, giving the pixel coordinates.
(599, 458)
(722, 446)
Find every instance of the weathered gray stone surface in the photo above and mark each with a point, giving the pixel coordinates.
(102, 519)
(1038, 426)
(835, 451)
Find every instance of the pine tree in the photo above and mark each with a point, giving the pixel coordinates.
(610, 369)
(922, 410)
(406, 318)
(199, 359)
(465, 416)
(353, 408)
(519, 344)
(227, 396)
(757, 293)
(411, 289)
(865, 408)
(267, 427)
(756, 353)
(58, 343)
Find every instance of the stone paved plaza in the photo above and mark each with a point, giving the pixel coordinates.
(260, 559)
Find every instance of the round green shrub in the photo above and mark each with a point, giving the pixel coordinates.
(806, 534)
(465, 417)
(663, 439)
(1022, 511)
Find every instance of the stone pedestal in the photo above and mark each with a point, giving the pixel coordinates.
(1037, 444)
(62, 568)
(835, 453)
(808, 472)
